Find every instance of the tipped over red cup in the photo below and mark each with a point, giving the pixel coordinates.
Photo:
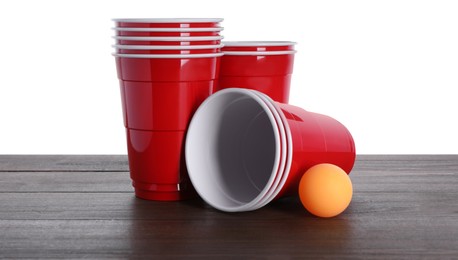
(256, 150)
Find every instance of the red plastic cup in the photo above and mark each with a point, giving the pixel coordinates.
(168, 22)
(157, 166)
(197, 40)
(167, 49)
(162, 106)
(149, 68)
(268, 72)
(169, 32)
(258, 45)
(159, 96)
(236, 169)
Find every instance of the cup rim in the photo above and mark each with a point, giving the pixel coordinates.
(252, 204)
(169, 39)
(289, 153)
(258, 43)
(133, 29)
(166, 47)
(168, 56)
(167, 20)
(285, 151)
(258, 53)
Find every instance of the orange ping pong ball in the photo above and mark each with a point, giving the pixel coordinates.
(325, 190)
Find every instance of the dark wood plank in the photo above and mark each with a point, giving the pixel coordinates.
(406, 173)
(369, 174)
(154, 229)
(403, 207)
(117, 205)
(120, 163)
(392, 225)
(58, 181)
(145, 239)
(392, 164)
(63, 163)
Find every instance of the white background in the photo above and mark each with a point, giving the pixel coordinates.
(388, 70)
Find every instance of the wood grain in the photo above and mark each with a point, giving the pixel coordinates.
(68, 163)
(403, 207)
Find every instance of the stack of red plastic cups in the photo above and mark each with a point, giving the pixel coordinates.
(265, 66)
(166, 69)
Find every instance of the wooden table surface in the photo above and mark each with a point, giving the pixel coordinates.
(82, 206)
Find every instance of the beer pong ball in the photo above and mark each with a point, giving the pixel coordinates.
(325, 190)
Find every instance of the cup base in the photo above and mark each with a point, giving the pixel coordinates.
(163, 192)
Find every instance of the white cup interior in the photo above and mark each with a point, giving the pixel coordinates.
(232, 149)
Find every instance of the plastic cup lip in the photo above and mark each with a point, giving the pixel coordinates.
(248, 206)
(254, 204)
(258, 53)
(289, 155)
(169, 39)
(168, 56)
(205, 29)
(166, 47)
(258, 43)
(167, 20)
(263, 199)
(285, 151)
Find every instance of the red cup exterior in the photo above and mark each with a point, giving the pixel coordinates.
(195, 51)
(167, 69)
(316, 139)
(258, 48)
(162, 106)
(276, 87)
(167, 25)
(166, 34)
(181, 43)
(256, 65)
(157, 165)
